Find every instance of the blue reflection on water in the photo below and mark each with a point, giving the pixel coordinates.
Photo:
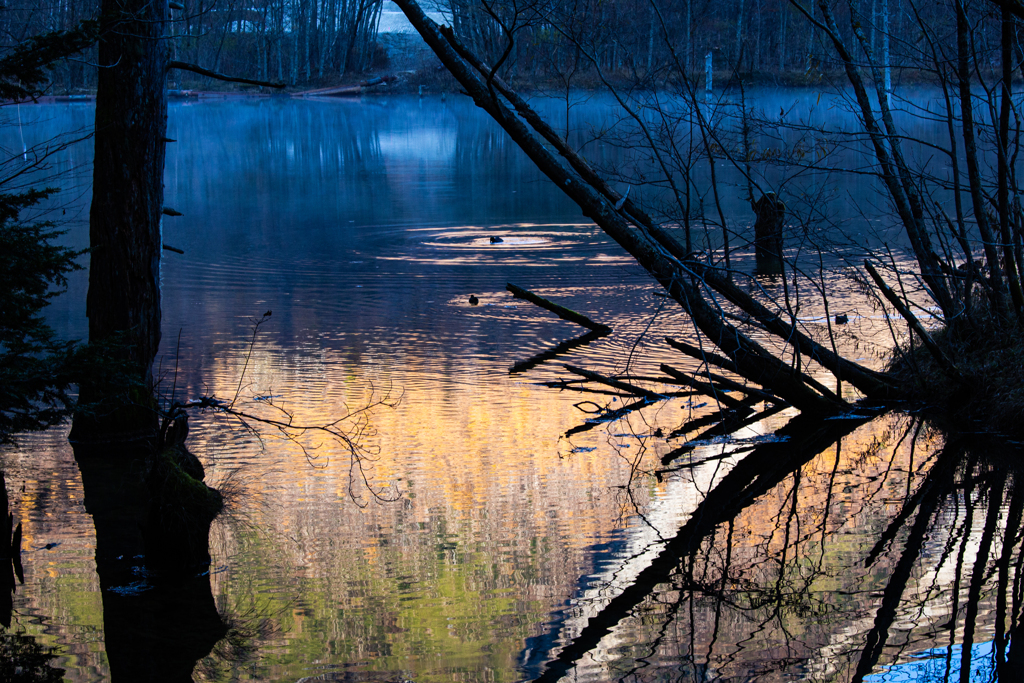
(941, 664)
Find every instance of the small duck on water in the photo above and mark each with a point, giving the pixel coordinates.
(495, 240)
(473, 301)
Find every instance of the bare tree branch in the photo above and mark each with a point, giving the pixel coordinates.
(185, 66)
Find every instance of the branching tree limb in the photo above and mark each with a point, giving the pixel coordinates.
(194, 68)
(914, 323)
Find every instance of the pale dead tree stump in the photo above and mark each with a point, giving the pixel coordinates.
(768, 243)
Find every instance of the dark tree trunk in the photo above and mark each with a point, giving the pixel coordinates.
(151, 509)
(768, 243)
(158, 620)
(123, 303)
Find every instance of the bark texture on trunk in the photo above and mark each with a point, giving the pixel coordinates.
(123, 303)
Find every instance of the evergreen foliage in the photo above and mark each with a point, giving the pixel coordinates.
(22, 74)
(35, 367)
(23, 660)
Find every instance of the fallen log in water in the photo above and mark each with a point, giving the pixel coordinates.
(684, 279)
(702, 355)
(706, 388)
(347, 90)
(561, 311)
(712, 358)
(722, 423)
(914, 323)
(753, 392)
(617, 384)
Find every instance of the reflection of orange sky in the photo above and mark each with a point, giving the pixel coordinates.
(482, 460)
(478, 457)
(472, 448)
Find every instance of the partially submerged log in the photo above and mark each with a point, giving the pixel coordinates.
(720, 383)
(561, 311)
(735, 421)
(703, 355)
(914, 323)
(707, 388)
(348, 90)
(606, 416)
(616, 384)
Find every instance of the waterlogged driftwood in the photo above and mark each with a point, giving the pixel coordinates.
(561, 311)
(738, 420)
(607, 416)
(348, 90)
(712, 358)
(718, 417)
(869, 382)
(753, 392)
(722, 362)
(723, 424)
(581, 389)
(615, 383)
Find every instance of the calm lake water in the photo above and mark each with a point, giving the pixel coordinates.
(522, 530)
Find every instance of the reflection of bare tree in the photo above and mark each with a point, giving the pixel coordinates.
(755, 475)
(824, 556)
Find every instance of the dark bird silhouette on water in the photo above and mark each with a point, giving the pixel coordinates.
(473, 301)
(842, 319)
(495, 240)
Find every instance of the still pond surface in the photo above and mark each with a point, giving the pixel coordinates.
(526, 539)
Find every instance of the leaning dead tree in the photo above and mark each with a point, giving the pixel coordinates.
(957, 283)
(705, 290)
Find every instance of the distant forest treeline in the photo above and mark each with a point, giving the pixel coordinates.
(307, 42)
